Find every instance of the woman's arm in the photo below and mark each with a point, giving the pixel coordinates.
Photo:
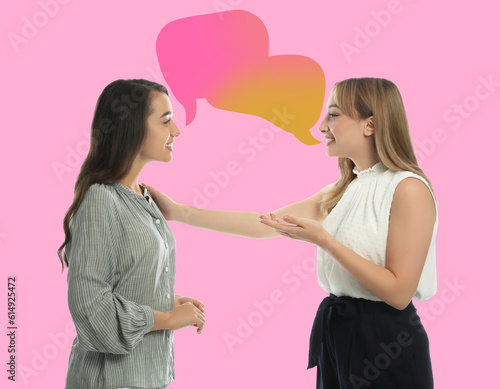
(104, 320)
(191, 314)
(235, 223)
(187, 312)
(411, 226)
(182, 316)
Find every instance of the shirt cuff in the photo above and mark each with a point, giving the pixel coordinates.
(150, 318)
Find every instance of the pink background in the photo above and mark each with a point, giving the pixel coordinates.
(436, 52)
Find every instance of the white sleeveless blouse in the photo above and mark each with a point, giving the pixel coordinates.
(360, 221)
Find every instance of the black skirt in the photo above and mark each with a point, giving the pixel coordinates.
(357, 343)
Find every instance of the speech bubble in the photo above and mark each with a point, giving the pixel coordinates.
(224, 58)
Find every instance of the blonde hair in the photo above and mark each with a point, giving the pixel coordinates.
(360, 98)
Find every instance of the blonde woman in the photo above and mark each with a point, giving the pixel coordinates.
(375, 231)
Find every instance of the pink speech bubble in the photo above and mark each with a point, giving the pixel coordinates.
(224, 58)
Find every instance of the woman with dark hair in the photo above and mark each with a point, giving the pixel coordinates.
(119, 250)
(375, 232)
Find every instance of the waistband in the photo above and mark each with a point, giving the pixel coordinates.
(347, 306)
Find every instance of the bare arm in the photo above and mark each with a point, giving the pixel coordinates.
(187, 312)
(185, 315)
(411, 225)
(235, 223)
(410, 232)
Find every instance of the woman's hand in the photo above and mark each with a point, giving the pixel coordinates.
(185, 315)
(166, 204)
(179, 300)
(297, 228)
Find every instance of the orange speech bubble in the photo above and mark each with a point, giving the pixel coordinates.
(224, 58)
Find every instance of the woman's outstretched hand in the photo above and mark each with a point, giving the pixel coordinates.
(297, 228)
(166, 204)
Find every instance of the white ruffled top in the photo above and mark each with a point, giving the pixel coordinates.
(360, 221)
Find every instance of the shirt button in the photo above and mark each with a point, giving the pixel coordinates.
(166, 269)
(150, 200)
(168, 295)
(157, 221)
(166, 244)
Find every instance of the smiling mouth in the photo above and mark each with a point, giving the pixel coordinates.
(169, 146)
(329, 140)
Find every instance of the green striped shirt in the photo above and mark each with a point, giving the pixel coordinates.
(121, 266)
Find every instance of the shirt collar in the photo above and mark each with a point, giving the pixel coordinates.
(130, 190)
(371, 171)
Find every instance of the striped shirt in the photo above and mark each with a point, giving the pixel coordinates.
(121, 259)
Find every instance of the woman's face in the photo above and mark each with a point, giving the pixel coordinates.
(345, 136)
(161, 130)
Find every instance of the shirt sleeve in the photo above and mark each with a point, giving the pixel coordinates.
(105, 321)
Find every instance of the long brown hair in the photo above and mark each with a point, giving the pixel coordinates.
(118, 131)
(361, 98)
